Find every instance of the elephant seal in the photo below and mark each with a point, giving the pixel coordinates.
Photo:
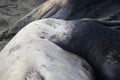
(98, 44)
(59, 9)
(31, 56)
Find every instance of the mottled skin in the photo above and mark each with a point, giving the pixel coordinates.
(31, 56)
(95, 42)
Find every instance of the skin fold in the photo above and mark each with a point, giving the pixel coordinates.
(98, 44)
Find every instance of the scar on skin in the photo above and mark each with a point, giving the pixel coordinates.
(14, 49)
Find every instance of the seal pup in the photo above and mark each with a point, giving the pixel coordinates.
(31, 56)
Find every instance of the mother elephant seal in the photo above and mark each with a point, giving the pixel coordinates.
(28, 56)
(59, 9)
(95, 42)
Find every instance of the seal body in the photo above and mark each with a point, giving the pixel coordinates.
(31, 56)
(59, 9)
(98, 44)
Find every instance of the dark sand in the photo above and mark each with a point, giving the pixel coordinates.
(13, 10)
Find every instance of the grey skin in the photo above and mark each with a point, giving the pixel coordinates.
(98, 44)
(31, 56)
(103, 22)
